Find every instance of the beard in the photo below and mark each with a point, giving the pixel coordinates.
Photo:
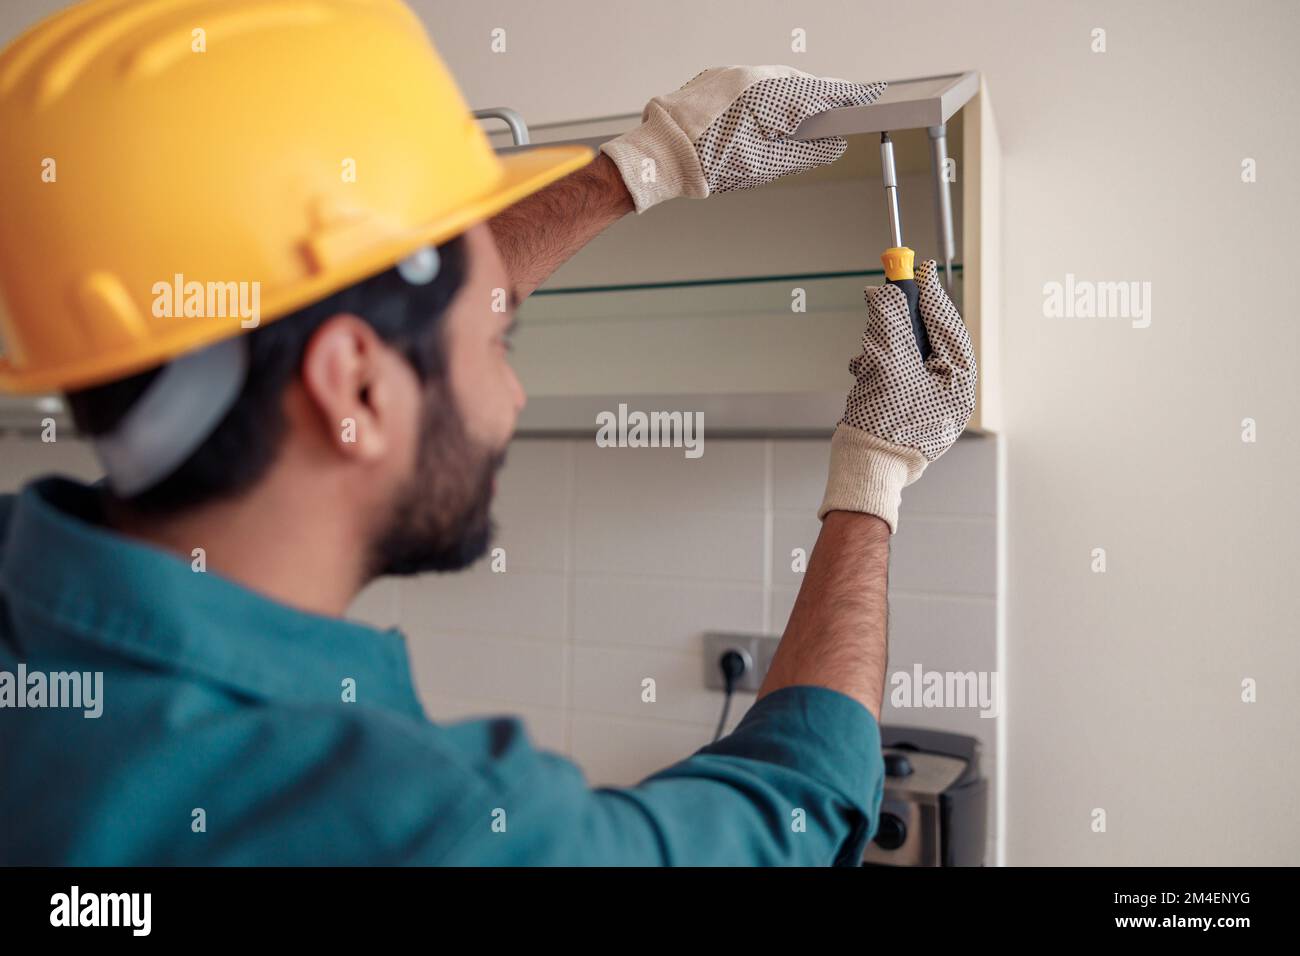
(441, 520)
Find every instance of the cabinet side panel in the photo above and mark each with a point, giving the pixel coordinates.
(981, 230)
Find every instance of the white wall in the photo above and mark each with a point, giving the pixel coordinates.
(1124, 687)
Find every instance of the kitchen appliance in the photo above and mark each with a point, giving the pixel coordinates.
(935, 806)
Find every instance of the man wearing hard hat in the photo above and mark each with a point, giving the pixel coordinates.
(273, 264)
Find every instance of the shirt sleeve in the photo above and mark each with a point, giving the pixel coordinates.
(798, 782)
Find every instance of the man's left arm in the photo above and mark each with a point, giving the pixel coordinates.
(541, 232)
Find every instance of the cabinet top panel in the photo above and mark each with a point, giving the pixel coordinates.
(905, 104)
(915, 103)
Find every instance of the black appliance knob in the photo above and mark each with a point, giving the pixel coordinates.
(897, 765)
(892, 832)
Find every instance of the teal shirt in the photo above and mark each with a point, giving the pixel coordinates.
(224, 738)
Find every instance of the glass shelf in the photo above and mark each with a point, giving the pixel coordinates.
(733, 336)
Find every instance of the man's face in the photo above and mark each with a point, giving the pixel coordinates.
(440, 520)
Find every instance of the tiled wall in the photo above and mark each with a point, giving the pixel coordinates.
(618, 561)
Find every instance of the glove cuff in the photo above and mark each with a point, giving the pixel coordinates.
(868, 474)
(677, 167)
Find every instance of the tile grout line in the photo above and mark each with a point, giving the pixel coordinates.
(1001, 654)
(570, 586)
(476, 705)
(768, 537)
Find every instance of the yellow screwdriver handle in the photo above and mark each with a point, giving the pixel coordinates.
(897, 261)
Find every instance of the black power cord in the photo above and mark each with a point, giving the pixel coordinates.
(733, 664)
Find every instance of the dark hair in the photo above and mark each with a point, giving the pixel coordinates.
(245, 442)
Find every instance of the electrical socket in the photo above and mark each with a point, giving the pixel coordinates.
(760, 648)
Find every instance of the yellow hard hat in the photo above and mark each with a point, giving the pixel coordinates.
(299, 145)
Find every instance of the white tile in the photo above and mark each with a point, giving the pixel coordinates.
(781, 603)
(729, 476)
(475, 666)
(512, 604)
(533, 538)
(609, 680)
(621, 752)
(963, 481)
(956, 556)
(537, 474)
(942, 632)
(799, 473)
(714, 546)
(657, 612)
(531, 512)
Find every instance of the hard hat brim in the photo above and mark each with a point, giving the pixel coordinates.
(523, 173)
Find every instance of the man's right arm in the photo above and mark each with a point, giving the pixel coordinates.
(901, 414)
(836, 634)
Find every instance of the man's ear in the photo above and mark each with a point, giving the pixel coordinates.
(358, 386)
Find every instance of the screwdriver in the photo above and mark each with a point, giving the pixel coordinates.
(898, 259)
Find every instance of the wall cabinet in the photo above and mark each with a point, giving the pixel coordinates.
(747, 306)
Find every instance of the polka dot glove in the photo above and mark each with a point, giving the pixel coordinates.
(729, 128)
(901, 414)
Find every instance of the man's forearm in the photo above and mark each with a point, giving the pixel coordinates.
(836, 636)
(540, 232)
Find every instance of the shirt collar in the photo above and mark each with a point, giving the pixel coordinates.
(61, 566)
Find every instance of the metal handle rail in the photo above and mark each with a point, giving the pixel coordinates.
(518, 128)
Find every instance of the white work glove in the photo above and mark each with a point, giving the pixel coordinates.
(901, 414)
(729, 128)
